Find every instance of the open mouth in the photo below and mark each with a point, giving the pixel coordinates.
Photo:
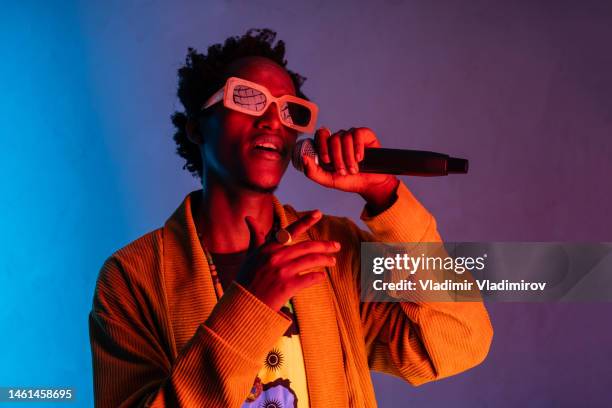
(271, 144)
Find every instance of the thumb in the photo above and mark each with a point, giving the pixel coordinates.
(256, 235)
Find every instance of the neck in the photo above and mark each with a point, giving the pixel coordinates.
(219, 214)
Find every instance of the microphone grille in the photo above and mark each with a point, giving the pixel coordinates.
(303, 147)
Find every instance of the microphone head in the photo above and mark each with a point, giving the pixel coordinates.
(303, 147)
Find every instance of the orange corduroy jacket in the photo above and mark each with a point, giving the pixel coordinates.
(160, 338)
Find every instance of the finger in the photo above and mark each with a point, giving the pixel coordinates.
(348, 152)
(303, 223)
(316, 173)
(300, 249)
(368, 136)
(335, 151)
(321, 136)
(256, 234)
(308, 279)
(359, 143)
(306, 264)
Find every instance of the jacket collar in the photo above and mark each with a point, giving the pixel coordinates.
(191, 297)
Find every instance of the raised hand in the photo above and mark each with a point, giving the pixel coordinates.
(344, 150)
(274, 272)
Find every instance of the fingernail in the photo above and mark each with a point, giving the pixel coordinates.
(325, 158)
(353, 170)
(358, 156)
(336, 244)
(342, 171)
(316, 214)
(333, 260)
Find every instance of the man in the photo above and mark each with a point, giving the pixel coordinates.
(240, 301)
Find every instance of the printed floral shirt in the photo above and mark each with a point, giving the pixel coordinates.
(281, 383)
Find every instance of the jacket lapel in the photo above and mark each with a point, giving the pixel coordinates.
(319, 335)
(189, 287)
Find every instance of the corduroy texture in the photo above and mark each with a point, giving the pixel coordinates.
(159, 337)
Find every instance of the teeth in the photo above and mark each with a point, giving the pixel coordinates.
(267, 145)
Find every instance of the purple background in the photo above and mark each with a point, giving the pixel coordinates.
(523, 89)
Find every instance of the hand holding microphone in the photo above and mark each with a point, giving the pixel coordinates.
(353, 161)
(340, 153)
(387, 161)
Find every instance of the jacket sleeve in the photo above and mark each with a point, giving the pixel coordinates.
(216, 368)
(419, 341)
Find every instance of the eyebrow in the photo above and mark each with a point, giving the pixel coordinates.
(283, 91)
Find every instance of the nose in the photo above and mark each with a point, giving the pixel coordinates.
(270, 119)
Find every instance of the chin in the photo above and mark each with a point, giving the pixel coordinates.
(261, 182)
(260, 188)
(262, 179)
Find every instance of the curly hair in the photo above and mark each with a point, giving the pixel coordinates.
(202, 75)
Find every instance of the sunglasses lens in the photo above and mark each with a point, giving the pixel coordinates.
(249, 98)
(296, 114)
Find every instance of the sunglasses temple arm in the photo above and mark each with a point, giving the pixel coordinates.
(216, 97)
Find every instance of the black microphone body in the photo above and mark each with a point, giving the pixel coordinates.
(391, 161)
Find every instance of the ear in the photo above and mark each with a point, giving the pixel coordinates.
(193, 131)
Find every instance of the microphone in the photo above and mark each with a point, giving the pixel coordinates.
(390, 161)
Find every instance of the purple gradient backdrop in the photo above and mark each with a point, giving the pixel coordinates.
(523, 89)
